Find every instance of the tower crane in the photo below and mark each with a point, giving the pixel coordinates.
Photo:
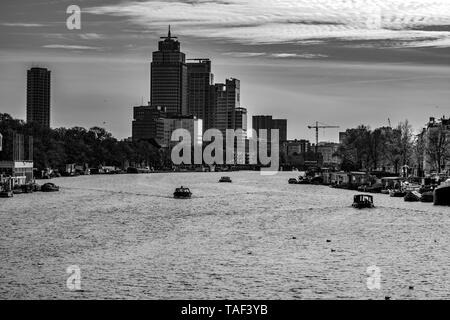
(317, 127)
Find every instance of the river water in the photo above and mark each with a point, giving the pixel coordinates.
(258, 238)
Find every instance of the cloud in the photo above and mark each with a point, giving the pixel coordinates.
(91, 36)
(299, 56)
(282, 21)
(244, 54)
(22, 24)
(69, 47)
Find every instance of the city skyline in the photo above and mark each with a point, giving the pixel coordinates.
(351, 73)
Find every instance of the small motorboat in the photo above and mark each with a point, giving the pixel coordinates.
(225, 180)
(49, 187)
(182, 193)
(303, 180)
(361, 201)
(427, 197)
(397, 193)
(385, 191)
(442, 194)
(6, 194)
(27, 188)
(412, 196)
(293, 181)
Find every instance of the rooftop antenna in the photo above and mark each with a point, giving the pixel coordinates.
(169, 35)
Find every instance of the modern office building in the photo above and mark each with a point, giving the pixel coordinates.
(145, 124)
(226, 99)
(241, 119)
(38, 96)
(170, 124)
(200, 80)
(297, 147)
(169, 77)
(268, 123)
(281, 125)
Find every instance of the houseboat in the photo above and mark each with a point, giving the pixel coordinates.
(442, 194)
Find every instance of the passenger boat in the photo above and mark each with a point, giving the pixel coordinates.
(293, 181)
(442, 194)
(225, 180)
(361, 201)
(49, 187)
(412, 196)
(6, 194)
(427, 197)
(397, 193)
(303, 180)
(182, 193)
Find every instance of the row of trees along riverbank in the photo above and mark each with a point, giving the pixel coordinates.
(54, 148)
(387, 147)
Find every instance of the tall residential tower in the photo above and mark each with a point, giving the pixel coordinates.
(38, 96)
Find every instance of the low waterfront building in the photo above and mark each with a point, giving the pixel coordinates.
(20, 171)
(328, 151)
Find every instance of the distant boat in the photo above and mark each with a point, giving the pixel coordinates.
(182, 193)
(6, 194)
(412, 196)
(397, 193)
(49, 187)
(225, 179)
(361, 201)
(427, 197)
(442, 194)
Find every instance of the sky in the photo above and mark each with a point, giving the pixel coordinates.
(339, 62)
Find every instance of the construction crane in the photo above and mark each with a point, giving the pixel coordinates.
(317, 127)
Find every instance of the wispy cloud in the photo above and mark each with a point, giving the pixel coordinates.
(22, 24)
(244, 54)
(299, 55)
(70, 47)
(281, 21)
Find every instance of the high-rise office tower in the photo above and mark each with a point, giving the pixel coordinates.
(227, 98)
(146, 123)
(281, 125)
(38, 96)
(200, 80)
(266, 122)
(169, 77)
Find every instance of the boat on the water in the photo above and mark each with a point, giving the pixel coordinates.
(182, 193)
(225, 180)
(6, 194)
(397, 193)
(412, 196)
(361, 201)
(303, 180)
(427, 197)
(49, 187)
(442, 194)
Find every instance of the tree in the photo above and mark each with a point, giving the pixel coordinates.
(438, 146)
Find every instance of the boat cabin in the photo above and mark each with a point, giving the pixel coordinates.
(363, 201)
